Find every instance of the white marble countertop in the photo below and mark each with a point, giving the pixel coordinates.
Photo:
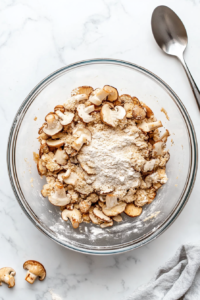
(38, 37)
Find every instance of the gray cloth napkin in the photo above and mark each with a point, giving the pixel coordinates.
(179, 278)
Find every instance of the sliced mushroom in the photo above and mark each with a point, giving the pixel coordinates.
(117, 218)
(87, 90)
(83, 137)
(85, 206)
(89, 170)
(64, 175)
(129, 109)
(125, 98)
(158, 148)
(114, 211)
(60, 108)
(149, 112)
(42, 170)
(110, 116)
(43, 149)
(55, 143)
(72, 179)
(139, 113)
(74, 216)
(132, 210)
(7, 276)
(97, 96)
(84, 113)
(112, 92)
(59, 196)
(35, 269)
(107, 224)
(93, 218)
(146, 127)
(111, 200)
(145, 196)
(61, 157)
(53, 125)
(98, 213)
(66, 118)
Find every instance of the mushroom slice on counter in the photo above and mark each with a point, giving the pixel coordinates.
(7, 276)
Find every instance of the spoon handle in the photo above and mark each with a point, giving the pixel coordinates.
(191, 80)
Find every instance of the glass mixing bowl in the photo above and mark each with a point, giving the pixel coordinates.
(181, 168)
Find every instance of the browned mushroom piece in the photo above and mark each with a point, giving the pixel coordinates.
(74, 216)
(138, 113)
(149, 112)
(43, 149)
(132, 210)
(53, 125)
(42, 170)
(7, 276)
(87, 90)
(59, 197)
(111, 116)
(35, 269)
(60, 108)
(112, 92)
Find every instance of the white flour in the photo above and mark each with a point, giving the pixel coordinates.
(111, 153)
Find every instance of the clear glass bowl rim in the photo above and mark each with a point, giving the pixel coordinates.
(12, 166)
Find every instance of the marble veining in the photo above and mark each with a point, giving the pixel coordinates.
(38, 37)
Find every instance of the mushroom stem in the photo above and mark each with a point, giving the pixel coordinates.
(30, 277)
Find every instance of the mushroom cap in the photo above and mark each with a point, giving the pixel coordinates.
(59, 196)
(98, 213)
(60, 108)
(66, 117)
(132, 210)
(53, 125)
(138, 112)
(84, 112)
(149, 112)
(110, 116)
(7, 275)
(112, 92)
(35, 268)
(55, 143)
(97, 96)
(87, 90)
(114, 211)
(74, 216)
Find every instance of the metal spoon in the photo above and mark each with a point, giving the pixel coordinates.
(171, 36)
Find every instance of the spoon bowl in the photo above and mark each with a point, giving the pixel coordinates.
(171, 36)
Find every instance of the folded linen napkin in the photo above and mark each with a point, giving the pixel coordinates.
(177, 279)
